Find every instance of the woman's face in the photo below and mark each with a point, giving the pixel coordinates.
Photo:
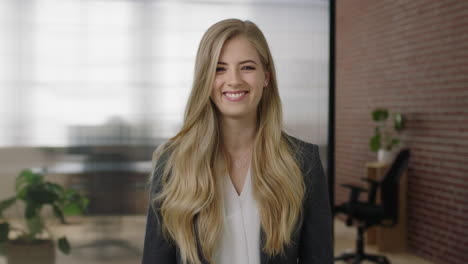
(239, 81)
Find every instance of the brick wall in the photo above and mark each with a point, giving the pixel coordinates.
(410, 56)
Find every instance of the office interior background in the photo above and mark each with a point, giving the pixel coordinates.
(88, 89)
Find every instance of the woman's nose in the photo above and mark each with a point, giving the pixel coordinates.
(234, 78)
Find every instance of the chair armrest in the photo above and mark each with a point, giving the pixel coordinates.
(355, 191)
(353, 199)
(374, 185)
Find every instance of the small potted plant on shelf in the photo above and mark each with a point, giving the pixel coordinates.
(34, 243)
(383, 142)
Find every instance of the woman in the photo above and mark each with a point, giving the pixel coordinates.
(231, 186)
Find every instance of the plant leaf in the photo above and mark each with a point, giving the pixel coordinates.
(84, 203)
(5, 204)
(384, 114)
(375, 115)
(21, 193)
(31, 210)
(4, 230)
(72, 209)
(380, 114)
(63, 245)
(27, 177)
(74, 203)
(55, 188)
(375, 143)
(41, 194)
(58, 213)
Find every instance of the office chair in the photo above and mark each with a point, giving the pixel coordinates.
(368, 214)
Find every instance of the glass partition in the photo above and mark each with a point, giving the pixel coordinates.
(88, 89)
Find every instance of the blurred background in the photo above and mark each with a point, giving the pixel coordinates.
(70, 69)
(89, 88)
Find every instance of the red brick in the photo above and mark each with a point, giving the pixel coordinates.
(410, 56)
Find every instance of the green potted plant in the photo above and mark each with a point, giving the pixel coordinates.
(33, 242)
(384, 142)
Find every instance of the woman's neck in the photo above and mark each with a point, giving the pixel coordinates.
(238, 135)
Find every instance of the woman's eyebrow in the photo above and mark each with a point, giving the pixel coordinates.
(247, 61)
(242, 62)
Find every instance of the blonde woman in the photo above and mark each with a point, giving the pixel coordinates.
(231, 187)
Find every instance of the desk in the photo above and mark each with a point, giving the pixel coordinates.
(388, 238)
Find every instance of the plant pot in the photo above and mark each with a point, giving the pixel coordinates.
(385, 156)
(37, 252)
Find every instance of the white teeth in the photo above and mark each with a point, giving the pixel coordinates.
(234, 95)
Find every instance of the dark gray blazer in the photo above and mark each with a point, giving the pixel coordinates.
(312, 241)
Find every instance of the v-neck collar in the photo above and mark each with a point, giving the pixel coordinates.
(245, 186)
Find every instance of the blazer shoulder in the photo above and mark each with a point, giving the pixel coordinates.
(159, 160)
(305, 152)
(296, 141)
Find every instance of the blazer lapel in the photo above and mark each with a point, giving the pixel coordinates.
(264, 258)
(290, 255)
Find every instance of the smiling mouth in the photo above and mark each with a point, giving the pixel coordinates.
(235, 96)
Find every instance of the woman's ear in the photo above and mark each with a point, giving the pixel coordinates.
(267, 79)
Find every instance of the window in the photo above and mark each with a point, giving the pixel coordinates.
(74, 72)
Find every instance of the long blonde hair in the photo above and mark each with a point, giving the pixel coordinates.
(189, 197)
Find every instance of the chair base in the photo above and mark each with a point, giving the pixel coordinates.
(359, 255)
(357, 258)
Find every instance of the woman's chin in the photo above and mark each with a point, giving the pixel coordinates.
(237, 115)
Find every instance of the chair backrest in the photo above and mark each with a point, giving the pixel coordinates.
(389, 188)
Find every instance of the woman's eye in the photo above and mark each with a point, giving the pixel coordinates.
(249, 68)
(220, 69)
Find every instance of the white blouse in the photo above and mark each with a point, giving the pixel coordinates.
(241, 234)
